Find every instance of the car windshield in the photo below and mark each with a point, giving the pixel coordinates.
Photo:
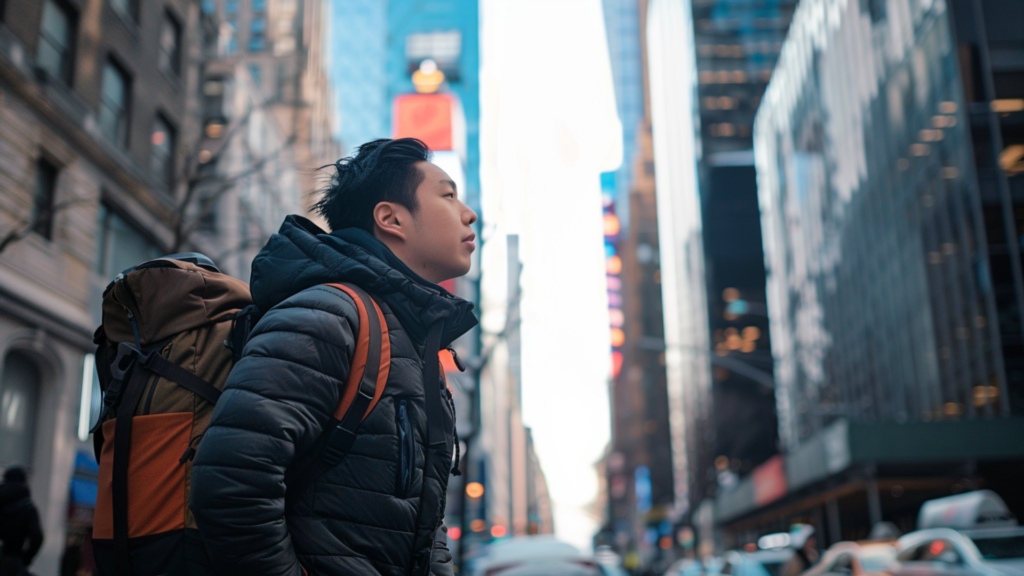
(1000, 547)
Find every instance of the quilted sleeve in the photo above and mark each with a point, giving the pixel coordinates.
(275, 402)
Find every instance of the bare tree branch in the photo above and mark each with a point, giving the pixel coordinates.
(184, 229)
(24, 226)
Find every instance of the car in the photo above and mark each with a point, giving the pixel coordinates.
(971, 534)
(756, 563)
(539, 555)
(866, 558)
(946, 551)
(549, 567)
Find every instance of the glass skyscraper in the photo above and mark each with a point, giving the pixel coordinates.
(893, 290)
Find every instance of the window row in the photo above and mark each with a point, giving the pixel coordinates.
(119, 244)
(115, 101)
(257, 35)
(54, 60)
(56, 50)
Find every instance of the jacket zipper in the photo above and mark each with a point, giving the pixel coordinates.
(406, 449)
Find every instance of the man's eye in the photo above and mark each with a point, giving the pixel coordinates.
(450, 195)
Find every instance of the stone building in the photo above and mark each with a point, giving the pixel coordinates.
(94, 122)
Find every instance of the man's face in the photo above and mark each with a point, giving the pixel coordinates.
(440, 242)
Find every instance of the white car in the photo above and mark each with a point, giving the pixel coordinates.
(538, 556)
(868, 558)
(970, 534)
(972, 552)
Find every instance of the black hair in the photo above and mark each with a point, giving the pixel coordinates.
(383, 170)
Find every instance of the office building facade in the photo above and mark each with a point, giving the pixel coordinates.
(883, 150)
(736, 45)
(677, 151)
(639, 493)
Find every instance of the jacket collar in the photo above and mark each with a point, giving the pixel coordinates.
(301, 255)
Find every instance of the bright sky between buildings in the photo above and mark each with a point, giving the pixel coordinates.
(548, 129)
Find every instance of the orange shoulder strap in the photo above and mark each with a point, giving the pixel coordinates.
(358, 365)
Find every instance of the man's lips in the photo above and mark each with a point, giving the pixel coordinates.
(470, 240)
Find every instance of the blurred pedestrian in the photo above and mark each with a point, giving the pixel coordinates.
(398, 230)
(20, 531)
(806, 550)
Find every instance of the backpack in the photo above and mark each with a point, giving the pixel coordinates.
(172, 329)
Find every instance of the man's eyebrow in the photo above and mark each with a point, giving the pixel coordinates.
(454, 186)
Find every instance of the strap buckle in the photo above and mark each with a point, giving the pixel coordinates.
(338, 445)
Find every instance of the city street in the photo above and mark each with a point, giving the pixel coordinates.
(716, 287)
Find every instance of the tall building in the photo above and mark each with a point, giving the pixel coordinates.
(675, 123)
(638, 467)
(736, 44)
(623, 30)
(284, 46)
(246, 178)
(707, 82)
(888, 150)
(359, 50)
(94, 143)
(434, 47)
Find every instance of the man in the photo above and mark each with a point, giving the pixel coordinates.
(19, 524)
(399, 229)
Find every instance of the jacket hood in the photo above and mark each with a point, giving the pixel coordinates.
(301, 255)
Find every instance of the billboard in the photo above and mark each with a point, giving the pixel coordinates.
(429, 117)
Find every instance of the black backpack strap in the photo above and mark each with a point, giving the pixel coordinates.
(136, 383)
(337, 437)
(244, 321)
(182, 377)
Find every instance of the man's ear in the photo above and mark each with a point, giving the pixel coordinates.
(387, 220)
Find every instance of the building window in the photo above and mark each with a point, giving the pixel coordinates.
(121, 245)
(229, 31)
(280, 80)
(209, 6)
(19, 403)
(257, 29)
(114, 104)
(170, 45)
(43, 198)
(259, 6)
(213, 99)
(231, 7)
(56, 41)
(256, 71)
(163, 142)
(127, 8)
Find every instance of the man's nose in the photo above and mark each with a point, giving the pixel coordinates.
(469, 216)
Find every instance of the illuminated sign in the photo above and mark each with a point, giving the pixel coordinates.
(613, 267)
(429, 117)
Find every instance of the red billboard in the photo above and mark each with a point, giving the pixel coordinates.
(428, 117)
(770, 481)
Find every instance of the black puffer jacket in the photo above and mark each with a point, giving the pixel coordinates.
(367, 515)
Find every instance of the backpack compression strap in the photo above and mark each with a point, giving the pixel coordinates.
(367, 375)
(141, 368)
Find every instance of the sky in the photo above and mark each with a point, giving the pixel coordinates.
(548, 129)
